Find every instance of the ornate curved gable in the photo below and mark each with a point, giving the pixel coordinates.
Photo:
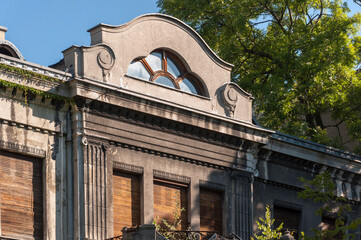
(160, 56)
(8, 48)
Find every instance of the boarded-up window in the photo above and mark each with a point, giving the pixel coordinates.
(21, 197)
(290, 219)
(211, 210)
(126, 201)
(170, 199)
(329, 223)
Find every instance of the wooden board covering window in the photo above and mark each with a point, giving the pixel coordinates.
(289, 217)
(329, 223)
(169, 198)
(21, 196)
(211, 210)
(126, 201)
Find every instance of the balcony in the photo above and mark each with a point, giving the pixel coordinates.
(150, 232)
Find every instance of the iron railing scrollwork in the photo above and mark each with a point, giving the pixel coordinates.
(193, 235)
(7, 238)
(187, 235)
(116, 238)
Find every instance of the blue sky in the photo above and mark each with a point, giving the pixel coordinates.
(42, 29)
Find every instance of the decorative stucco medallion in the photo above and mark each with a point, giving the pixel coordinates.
(105, 59)
(84, 140)
(230, 97)
(106, 62)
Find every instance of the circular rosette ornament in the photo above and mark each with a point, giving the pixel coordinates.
(105, 59)
(230, 97)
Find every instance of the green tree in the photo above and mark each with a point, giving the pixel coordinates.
(266, 228)
(165, 227)
(299, 58)
(321, 189)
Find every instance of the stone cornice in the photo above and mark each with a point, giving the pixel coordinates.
(29, 127)
(292, 147)
(287, 186)
(151, 121)
(316, 146)
(310, 166)
(18, 148)
(36, 68)
(128, 168)
(124, 98)
(171, 177)
(34, 76)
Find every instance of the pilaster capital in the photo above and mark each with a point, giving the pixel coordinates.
(242, 176)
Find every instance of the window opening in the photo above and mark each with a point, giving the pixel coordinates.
(137, 69)
(21, 196)
(164, 81)
(329, 223)
(126, 201)
(290, 219)
(211, 210)
(170, 198)
(164, 68)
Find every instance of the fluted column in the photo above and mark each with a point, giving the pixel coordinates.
(94, 190)
(243, 203)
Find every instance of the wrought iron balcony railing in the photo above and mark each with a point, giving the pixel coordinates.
(114, 238)
(7, 238)
(187, 235)
(196, 235)
(175, 235)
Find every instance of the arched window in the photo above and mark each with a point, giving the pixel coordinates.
(164, 68)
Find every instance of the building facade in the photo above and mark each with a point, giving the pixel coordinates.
(140, 126)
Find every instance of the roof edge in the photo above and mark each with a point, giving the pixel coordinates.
(185, 26)
(13, 47)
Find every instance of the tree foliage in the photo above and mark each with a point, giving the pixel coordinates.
(299, 58)
(164, 226)
(265, 225)
(322, 190)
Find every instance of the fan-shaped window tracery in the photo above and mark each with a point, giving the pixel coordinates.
(164, 68)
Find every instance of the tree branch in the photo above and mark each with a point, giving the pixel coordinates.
(252, 51)
(278, 20)
(319, 15)
(290, 13)
(254, 24)
(357, 2)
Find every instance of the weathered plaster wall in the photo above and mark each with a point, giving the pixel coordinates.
(36, 128)
(114, 48)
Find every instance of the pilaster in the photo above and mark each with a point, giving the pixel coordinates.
(243, 204)
(95, 189)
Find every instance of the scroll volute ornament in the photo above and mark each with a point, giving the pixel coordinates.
(231, 96)
(106, 61)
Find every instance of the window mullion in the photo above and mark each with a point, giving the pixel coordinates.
(181, 77)
(164, 59)
(146, 65)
